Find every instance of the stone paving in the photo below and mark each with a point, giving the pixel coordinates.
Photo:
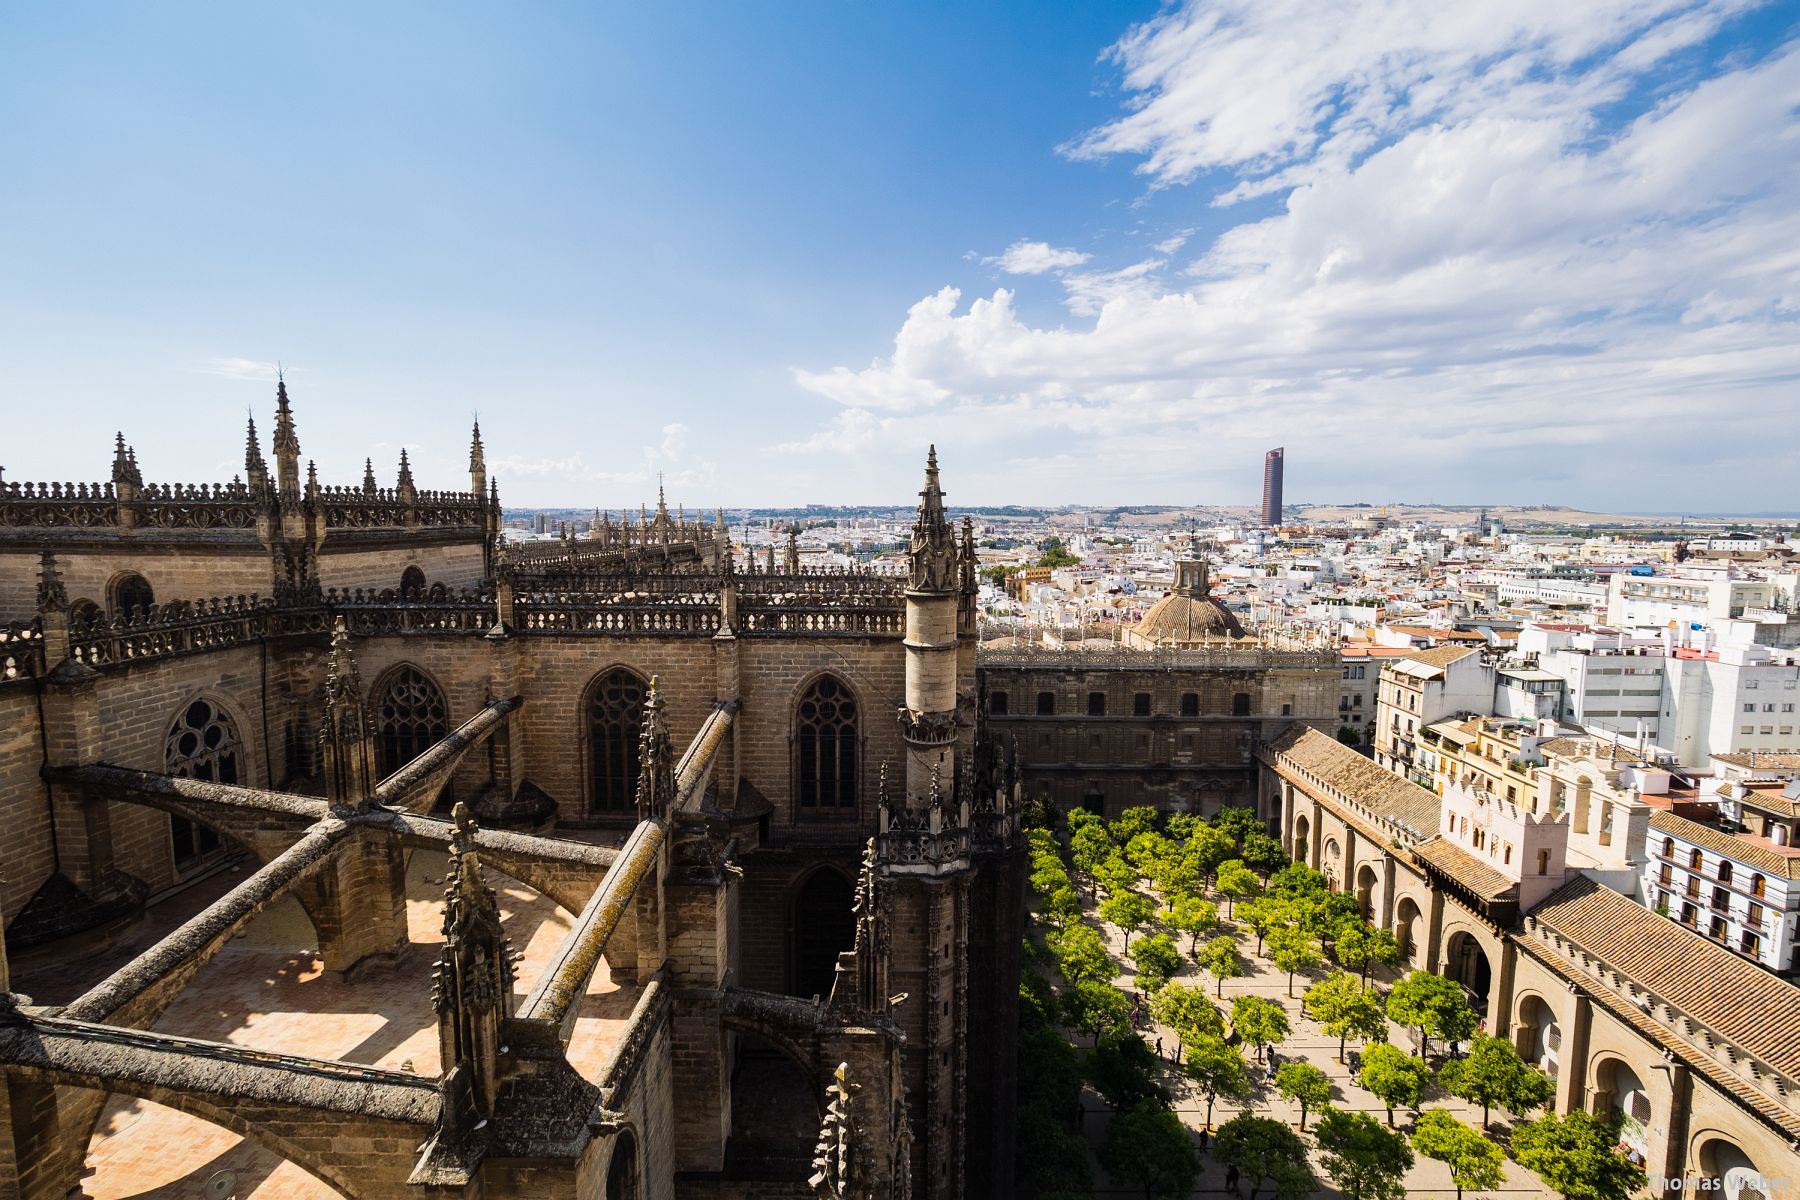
(268, 990)
(1306, 1043)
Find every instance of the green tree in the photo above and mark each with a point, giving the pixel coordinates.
(1344, 1009)
(1148, 1147)
(1262, 1149)
(1190, 915)
(1366, 1161)
(1156, 959)
(1116, 875)
(1089, 844)
(1359, 947)
(1056, 554)
(1094, 1008)
(1217, 1069)
(1266, 914)
(1080, 818)
(1062, 907)
(1187, 1011)
(1574, 1155)
(1237, 823)
(1047, 875)
(1130, 911)
(1432, 1005)
(1210, 848)
(1297, 879)
(1181, 827)
(1493, 1073)
(1263, 854)
(1237, 882)
(1133, 821)
(1261, 1023)
(1147, 848)
(1395, 1077)
(1052, 1160)
(1221, 959)
(1124, 1069)
(1081, 955)
(1294, 950)
(1473, 1160)
(1303, 1084)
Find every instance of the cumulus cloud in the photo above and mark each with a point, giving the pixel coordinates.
(1035, 258)
(1473, 255)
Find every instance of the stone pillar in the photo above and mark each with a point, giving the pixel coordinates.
(1572, 1057)
(358, 903)
(651, 913)
(929, 722)
(701, 901)
(1434, 931)
(83, 821)
(1666, 1152)
(1501, 990)
(727, 685)
(1387, 891)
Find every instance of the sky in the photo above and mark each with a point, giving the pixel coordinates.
(1505, 251)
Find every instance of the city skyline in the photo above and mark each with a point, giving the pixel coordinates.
(1121, 285)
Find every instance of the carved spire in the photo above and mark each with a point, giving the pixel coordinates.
(793, 549)
(968, 578)
(656, 759)
(933, 549)
(52, 596)
(369, 484)
(838, 1169)
(346, 735)
(256, 470)
(471, 983)
(477, 462)
(405, 483)
(862, 979)
(312, 479)
(124, 469)
(771, 556)
(286, 444)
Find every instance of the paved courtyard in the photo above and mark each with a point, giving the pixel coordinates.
(1306, 1043)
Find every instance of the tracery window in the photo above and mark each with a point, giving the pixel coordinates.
(203, 744)
(131, 594)
(412, 584)
(410, 718)
(825, 741)
(615, 719)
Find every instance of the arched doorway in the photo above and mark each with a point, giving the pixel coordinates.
(1406, 926)
(1539, 1036)
(1620, 1093)
(774, 1113)
(1467, 963)
(622, 1170)
(1732, 1173)
(821, 925)
(1302, 838)
(1366, 884)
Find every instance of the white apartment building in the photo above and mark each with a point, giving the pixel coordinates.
(1742, 892)
(1421, 688)
(1691, 594)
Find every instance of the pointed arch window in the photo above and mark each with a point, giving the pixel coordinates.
(615, 717)
(826, 743)
(410, 718)
(202, 744)
(132, 596)
(412, 584)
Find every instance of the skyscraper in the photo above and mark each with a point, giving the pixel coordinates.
(1271, 511)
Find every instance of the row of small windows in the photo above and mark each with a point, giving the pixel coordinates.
(131, 595)
(1000, 704)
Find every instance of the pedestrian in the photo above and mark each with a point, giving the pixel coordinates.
(1205, 1136)
(1231, 1178)
(1159, 1050)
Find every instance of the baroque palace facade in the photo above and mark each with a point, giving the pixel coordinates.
(305, 734)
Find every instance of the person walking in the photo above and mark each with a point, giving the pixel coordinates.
(1231, 1179)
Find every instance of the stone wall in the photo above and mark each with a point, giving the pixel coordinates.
(187, 572)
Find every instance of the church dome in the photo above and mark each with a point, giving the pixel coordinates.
(1187, 614)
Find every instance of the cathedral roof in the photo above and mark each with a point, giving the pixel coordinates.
(1177, 618)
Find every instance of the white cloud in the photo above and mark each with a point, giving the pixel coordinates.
(1470, 266)
(1035, 258)
(238, 368)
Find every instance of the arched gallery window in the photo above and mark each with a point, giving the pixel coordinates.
(131, 594)
(410, 718)
(412, 584)
(615, 714)
(203, 744)
(825, 743)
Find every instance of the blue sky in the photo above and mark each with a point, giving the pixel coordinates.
(1525, 252)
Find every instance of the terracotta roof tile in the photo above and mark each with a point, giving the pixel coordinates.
(1718, 989)
(1460, 865)
(1378, 789)
(1764, 858)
